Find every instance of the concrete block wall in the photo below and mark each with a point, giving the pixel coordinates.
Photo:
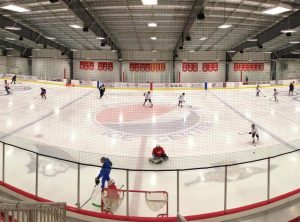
(97, 56)
(147, 57)
(288, 69)
(50, 64)
(251, 57)
(200, 58)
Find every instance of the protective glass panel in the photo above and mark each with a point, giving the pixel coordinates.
(57, 180)
(247, 183)
(284, 177)
(201, 191)
(20, 168)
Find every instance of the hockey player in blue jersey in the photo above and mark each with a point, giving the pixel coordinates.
(104, 172)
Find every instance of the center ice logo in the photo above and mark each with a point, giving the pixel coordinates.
(144, 121)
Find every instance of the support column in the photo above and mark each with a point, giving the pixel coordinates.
(71, 64)
(29, 61)
(273, 72)
(227, 70)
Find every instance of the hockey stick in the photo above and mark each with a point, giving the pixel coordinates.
(263, 95)
(89, 198)
(243, 133)
(99, 205)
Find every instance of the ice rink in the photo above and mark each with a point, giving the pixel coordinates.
(211, 129)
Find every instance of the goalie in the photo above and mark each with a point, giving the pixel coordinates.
(158, 155)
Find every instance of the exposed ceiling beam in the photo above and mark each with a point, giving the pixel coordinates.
(281, 53)
(31, 35)
(24, 52)
(291, 56)
(196, 8)
(290, 22)
(82, 13)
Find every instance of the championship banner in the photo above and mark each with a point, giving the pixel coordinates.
(147, 67)
(110, 66)
(91, 65)
(190, 67)
(100, 66)
(131, 67)
(184, 67)
(210, 67)
(248, 67)
(104, 66)
(86, 65)
(81, 65)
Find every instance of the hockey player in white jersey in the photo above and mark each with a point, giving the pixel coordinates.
(148, 98)
(275, 95)
(257, 90)
(254, 133)
(181, 99)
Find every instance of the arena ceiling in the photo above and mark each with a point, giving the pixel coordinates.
(126, 23)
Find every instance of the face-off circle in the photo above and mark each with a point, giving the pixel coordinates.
(145, 121)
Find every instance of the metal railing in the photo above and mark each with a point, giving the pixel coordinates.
(19, 211)
(221, 185)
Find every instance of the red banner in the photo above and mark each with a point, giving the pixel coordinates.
(102, 66)
(248, 67)
(190, 67)
(147, 67)
(91, 65)
(210, 67)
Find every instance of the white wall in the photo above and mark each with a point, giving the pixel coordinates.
(200, 58)
(17, 65)
(250, 57)
(288, 69)
(48, 63)
(3, 66)
(96, 56)
(147, 57)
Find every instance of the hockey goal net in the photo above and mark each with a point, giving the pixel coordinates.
(141, 202)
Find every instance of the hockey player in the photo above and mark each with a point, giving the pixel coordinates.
(101, 90)
(14, 79)
(148, 98)
(104, 172)
(275, 94)
(181, 99)
(254, 133)
(158, 155)
(43, 93)
(291, 89)
(257, 90)
(6, 86)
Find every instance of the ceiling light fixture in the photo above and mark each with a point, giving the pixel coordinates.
(294, 42)
(152, 24)
(149, 2)
(288, 31)
(154, 50)
(277, 10)
(252, 40)
(15, 8)
(50, 38)
(101, 38)
(14, 28)
(296, 52)
(74, 50)
(267, 52)
(192, 50)
(153, 38)
(8, 38)
(203, 38)
(231, 51)
(224, 26)
(76, 26)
